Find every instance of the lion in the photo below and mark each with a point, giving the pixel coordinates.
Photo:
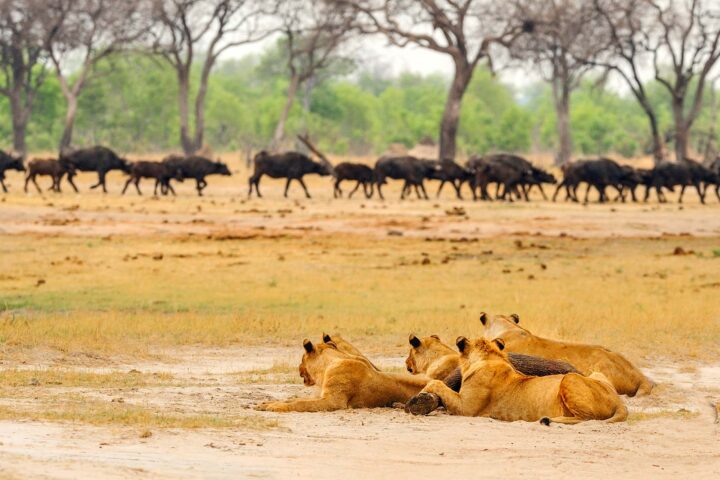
(346, 381)
(437, 360)
(491, 387)
(346, 347)
(622, 374)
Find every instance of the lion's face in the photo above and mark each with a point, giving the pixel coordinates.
(423, 352)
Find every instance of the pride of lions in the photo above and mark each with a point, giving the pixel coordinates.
(508, 374)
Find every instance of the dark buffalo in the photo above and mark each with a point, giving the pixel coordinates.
(357, 172)
(161, 172)
(407, 168)
(598, 174)
(529, 174)
(49, 167)
(505, 170)
(449, 171)
(289, 165)
(684, 174)
(94, 159)
(715, 169)
(195, 167)
(9, 162)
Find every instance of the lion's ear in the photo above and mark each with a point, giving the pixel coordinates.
(483, 318)
(331, 344)
(515, 317)
(414, 341)
(500, 343)
(327, 338)
(309, 347)
(461, 343)
(435, 337)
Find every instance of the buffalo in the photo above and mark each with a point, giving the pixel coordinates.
(161, 172)
(357, 172)
(599, 174)
(95, 159)
(47, 167)
(684, 174)
(289, 165)
(195, 167)
(9, 162)
(506, 170)
(410, 169)
(449, 171)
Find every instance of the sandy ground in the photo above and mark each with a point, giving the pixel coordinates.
(680, 439)
(673, 433)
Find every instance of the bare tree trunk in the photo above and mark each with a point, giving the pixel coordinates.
(183, 104)
(561, 97)
(280, 127)
(70, 114)
(681, 136)
(451, 115)
(20, 115)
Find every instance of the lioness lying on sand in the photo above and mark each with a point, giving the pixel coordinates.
(491, 387)
(346, 381)
(437, 360)
(622, 374)
(346, 347)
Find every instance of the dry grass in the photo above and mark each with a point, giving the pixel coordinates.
(79, 409)
(55, 377)
(111, 296)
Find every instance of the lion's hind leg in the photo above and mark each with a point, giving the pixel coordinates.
(591, 398)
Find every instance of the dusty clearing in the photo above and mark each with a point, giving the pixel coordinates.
(136, 334)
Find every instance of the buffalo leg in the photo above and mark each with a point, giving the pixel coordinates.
(101, 182)
(302, 184)
(199, 185)
(336, 189)
(424, 192)
(682, 192)
(379, 189)
(287, 186)
(458, 189)
(557, 190)
(701, 193)
(127, 184)
(2, 182)
(368, 188)
(542, 192)
(72, 184)
(34, 180)
(356, 188)
(442, 184)
(137, 185)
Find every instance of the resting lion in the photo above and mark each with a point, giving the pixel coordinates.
(346, 347)
(437, 360)
(491, 387)
(622, 374)
(346, 381)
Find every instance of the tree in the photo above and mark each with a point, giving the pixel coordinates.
(22, 60)
(562, 46)
(688, 34)
(313, 33)
(463, 30)
(182, 26)
(89, 30)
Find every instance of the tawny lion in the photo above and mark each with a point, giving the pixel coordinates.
(437, 360)
(346, 381)
(346, 347)
(622, 374)
(491, 387)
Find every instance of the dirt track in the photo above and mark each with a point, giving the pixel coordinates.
(375, 443)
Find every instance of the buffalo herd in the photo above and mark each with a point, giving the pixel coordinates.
(513, 176)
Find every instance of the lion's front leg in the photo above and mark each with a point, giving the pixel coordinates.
(450, 399)
(325, 404)
(436, 393)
